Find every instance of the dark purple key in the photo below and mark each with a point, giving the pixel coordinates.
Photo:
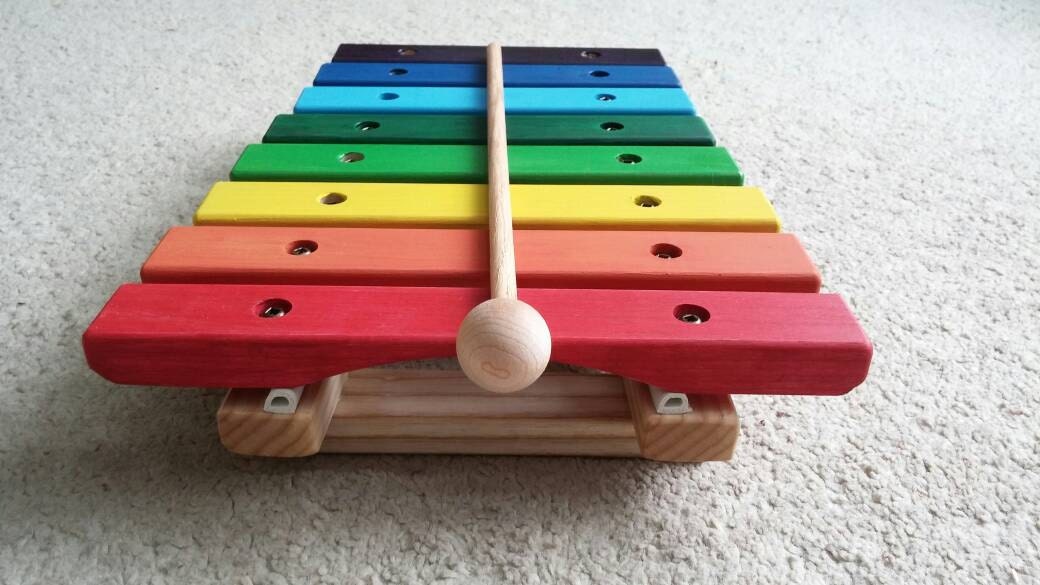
(514, 55)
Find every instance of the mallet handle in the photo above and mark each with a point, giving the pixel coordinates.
(500, 212)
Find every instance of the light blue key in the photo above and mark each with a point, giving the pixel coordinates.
(472, 100)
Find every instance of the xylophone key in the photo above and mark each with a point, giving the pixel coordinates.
(475, 54)
(467, 129)
(470, 100)
(256, 336)
(451, 163)
(643, 207)
(439, 257)
(472, 75)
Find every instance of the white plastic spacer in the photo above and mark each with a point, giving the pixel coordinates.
(669, 402)
(283, 400)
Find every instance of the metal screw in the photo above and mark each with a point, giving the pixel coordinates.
(690, 318)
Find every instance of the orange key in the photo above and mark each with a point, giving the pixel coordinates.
(459, 257)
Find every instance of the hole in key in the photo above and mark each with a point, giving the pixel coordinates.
(398, 71)
(280, 402)
(302, 247)
(389, 96)
(406, 51)
(591, 54)
(366, 125)
(666, 251)
(612, 126)
(352, 157)
(629, 159)
(273, 308)
(599, 73)
(333, 198)
(606, 97)
(673, 402)
(692, 314)
(647, 201)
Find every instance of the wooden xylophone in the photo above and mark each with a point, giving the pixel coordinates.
(356, 235)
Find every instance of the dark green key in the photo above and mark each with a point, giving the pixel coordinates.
(442, 163)
(458, 129)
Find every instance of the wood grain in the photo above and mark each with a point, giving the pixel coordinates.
(245, 428)
(459, 257)
(500, 206)
(429, 411)
(503, 344)
(707, 433)
(611, 207)
(213, 335)
(424, 411)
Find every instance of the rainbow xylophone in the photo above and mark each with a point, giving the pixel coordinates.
(356, 235)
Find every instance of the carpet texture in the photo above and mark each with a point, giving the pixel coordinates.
(899, 140)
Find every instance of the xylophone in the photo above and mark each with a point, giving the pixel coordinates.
(366, 227)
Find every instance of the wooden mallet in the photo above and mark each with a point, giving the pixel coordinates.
(503, 344)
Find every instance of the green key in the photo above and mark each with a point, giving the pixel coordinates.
(461, 129)
(440, 163)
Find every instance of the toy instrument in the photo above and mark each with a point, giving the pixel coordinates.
(505, 206)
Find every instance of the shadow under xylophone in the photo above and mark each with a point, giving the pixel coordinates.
(356, 236)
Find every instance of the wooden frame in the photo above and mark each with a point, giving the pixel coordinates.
(431, 411)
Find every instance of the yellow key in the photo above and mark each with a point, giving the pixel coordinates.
(644, 207)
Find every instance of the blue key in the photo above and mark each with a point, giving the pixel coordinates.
(475, 75)
(472, 100)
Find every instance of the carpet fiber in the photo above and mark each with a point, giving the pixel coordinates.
(899, 141)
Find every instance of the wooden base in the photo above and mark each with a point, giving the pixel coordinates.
(430, 411)
(246, 428)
